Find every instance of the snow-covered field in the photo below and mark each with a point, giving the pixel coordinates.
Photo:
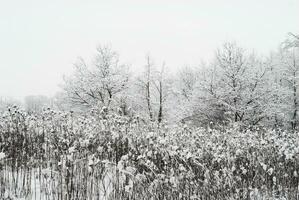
(117, 159)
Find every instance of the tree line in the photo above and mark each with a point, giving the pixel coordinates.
(235, 86)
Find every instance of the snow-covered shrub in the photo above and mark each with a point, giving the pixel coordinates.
(108, 154)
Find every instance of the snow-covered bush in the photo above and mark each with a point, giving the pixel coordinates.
(107, 154)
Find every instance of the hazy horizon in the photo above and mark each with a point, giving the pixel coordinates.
(41, 40)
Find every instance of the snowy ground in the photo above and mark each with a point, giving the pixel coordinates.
(38, 189)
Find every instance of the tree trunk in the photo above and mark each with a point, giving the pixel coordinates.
(294, 119)
(148, 99)
(148, 94)
(160, 114)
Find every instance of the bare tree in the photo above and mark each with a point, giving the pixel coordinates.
(152, 89)
(144, 88)
(160, 90)
(148, 81)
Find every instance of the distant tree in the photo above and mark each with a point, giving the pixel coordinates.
(292, 41)
(6, 102)
(186, 81)
(36, 103)
(184, 84)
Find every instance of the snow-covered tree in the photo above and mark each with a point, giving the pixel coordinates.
(184, 83)
(100, 83)
(144, 89)
(186, 80)
(232, 88)
(289, 81)
(152, 89)
(163, 85)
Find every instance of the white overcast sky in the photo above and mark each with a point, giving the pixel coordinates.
(40, 40)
